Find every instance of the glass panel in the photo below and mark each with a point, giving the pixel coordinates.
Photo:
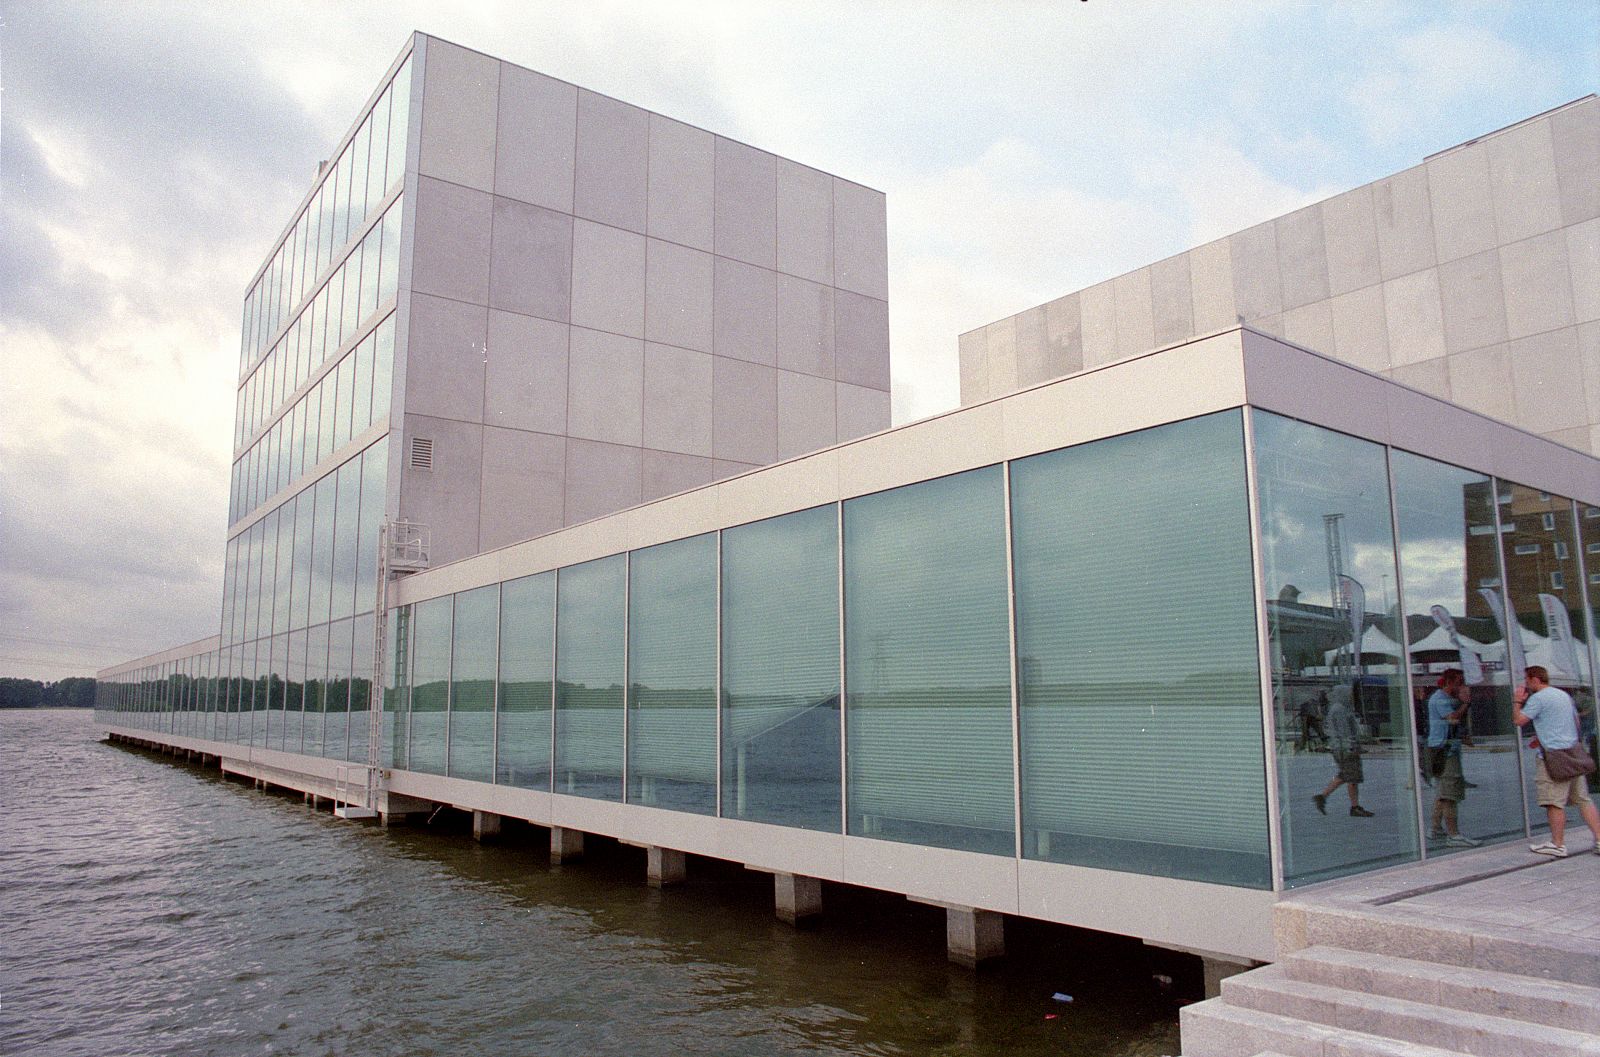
(1446, 518)
(1589, 536)
(336, 692)
(927, 662)
(313, 441)
(399, 109)
(374, 472)
(322, 552)
(352, 297)
(378, 149)
(1543, 581)
(780, 671)
(472, 675)
(591, 644)
(269, 553)
(383, 371)
(361, 413)
(370, 248)
(397, 701)
(389, 257)
(360, 686)
(430, 683)
(316, 672)
(347, 525)
(343, 391)
(285, 565)
(527, 641)
(672, 675)
(294, 692)
(325, 443)
(1136, 653)
(1328, 567)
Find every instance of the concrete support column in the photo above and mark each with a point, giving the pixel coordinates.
(485, 825)
(1218, 968)
(974, 936)
(565, 844)
(666, 867)
(796, 897)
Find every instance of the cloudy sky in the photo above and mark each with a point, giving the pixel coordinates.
(151, 152)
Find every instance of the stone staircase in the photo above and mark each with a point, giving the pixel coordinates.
(1353, 984)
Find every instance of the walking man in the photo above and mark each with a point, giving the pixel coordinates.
(1447, 706)
(1555, 726)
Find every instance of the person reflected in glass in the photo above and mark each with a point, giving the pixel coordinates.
(1311, 709)
(1555, 726)
(1343, 733)
(1447, 707)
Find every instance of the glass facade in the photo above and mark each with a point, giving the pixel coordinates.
(591, 658)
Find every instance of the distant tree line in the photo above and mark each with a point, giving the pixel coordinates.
(76, 692)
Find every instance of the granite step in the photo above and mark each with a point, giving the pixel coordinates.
(1271, 989)
(1553, 1003)
(1214, 1028)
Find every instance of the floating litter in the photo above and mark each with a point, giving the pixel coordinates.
(1059, 997)
(1051, 1016)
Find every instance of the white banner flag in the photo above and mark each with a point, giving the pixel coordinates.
(1558, 625)
(1471, 667)
(1355, 600)
(1511, 632)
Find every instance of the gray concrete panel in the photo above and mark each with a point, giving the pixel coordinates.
(460, 90)
(805, 414)
(1463, 202)
(1430, 376)
(1589, 359)
(530, 269)
(446, 497)
(450, 244)
(445, 358)
(1404, 221)
(1350, 231)
(607, 279)
(1481, 380)
(1472, 302)
(1416, 321)
(1002, 338)
(1302, 257)
(728, 468)
(523, 490)
(1063, 329)
(525, 383)
(860, 411)
(682, 183)
(1135, 327)
(1211, 282)
(537, 137)
(1099, 306)
(746, 204)
(1522, 165)
(1583, 258)
(973, 354)
(860, 240)
(805, 326)
(677, 299)
(668, 473)
(861, 343)
(744, 411)
(1547, 372)
(601, 478)
(613, 162)
(1171, 300)
(1310, 326)
(1360, 331)
(605, 387)
(677, 400)
(804, 221)
(1034, 361)
(1257, 291)
(744, 312)
(1575, 138)
(1537, 285)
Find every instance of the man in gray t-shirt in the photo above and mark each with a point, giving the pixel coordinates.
(1555, 726)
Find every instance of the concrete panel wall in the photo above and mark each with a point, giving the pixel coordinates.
(606, 306)
(1474, 277)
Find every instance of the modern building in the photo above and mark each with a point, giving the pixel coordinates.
(1054, 654)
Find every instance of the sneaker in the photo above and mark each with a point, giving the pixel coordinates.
(1357, 811)
(1555, 851)
(1459, 840)
(1321, 802)
(1437, 834)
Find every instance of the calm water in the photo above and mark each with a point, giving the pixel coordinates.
(149, 907)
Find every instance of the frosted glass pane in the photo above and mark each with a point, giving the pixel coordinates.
(472, 677)
(527, 661)
(591, 645)
(430, 683)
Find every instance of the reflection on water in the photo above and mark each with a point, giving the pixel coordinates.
(154, 908)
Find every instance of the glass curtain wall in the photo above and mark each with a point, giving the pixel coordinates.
(672, 675)
(472, 679)
(591, 655)
(780, 671)
(1586, 698)
(527, 661)
(1469, 772)
(927, 664)
(430, 683)
(1137, 657)
(1346, 767)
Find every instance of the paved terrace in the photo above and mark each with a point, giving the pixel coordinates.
(1490, 952)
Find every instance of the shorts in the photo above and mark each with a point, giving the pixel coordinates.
(1571, 793)
(1450, 783)
(1349, 765)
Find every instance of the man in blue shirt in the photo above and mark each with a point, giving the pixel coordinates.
(1447, 706)
(1555, 726)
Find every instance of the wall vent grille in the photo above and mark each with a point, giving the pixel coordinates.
(421, 453)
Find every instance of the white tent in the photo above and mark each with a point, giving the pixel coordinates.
(1372, 641)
